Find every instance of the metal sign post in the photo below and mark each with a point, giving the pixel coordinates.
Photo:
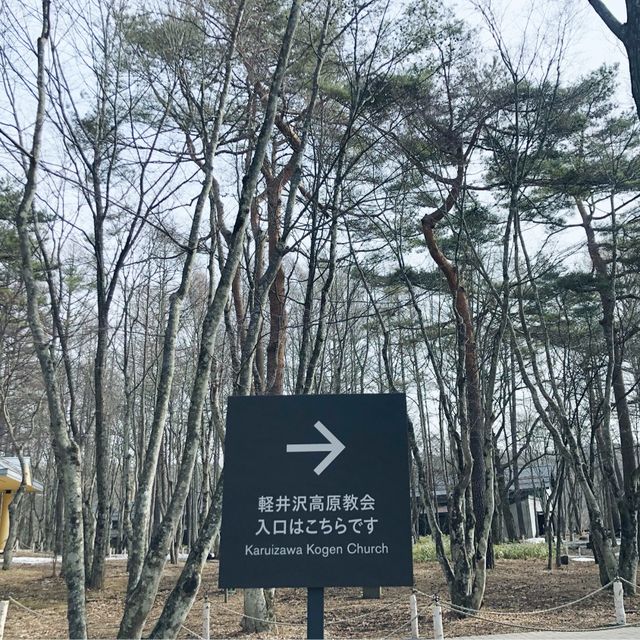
(315, 613)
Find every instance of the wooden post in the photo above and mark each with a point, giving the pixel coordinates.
(4, 607)
(206, 619)
(413, 610)
(618, 601)
(438, 630)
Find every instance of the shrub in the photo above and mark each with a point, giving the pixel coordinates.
(425, 550)
(520, 550)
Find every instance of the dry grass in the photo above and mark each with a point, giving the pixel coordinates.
(515, 586)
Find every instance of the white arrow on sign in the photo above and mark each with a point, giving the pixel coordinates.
(333, 446)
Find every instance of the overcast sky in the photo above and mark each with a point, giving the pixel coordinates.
(596, 43)
(589, 43)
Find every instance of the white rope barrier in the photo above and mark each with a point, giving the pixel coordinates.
(35, 613)
(404, 624)
(529, 613)
(359, 605)
(631, 584)
(378, 610)
(487, 615)
(242, 615)
(192, 633)
(525, 613)
(327, 622)
(391, 635)
(391, 605)
(516, 625)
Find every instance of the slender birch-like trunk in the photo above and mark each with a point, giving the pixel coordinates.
(141, 594)
(627, 496)
(68, 454)
(141, 513)
(548, 404)
(258, 603)
(183, 595)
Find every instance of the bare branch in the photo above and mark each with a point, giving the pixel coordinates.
(617, 28)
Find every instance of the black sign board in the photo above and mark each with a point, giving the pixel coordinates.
(316, 492)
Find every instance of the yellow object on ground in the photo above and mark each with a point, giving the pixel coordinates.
(10, 479)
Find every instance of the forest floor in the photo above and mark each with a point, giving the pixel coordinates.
(514, 587)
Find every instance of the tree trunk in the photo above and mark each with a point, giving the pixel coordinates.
(626, 497)
(88, 529)
(68, 455)
(307, 305)
(58, 528)
(632, 45)
(559, 517)
(468, 548)
(513, 421)
(259, 604)
(14, 507)
(277, 311)
(183, 595)
(103, 450)
(141, 594)
(507, 515)
(553, 416)
(142, 506)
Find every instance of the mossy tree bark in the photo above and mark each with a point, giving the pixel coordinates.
(67, 450)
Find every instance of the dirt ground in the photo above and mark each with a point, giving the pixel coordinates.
(514, 587)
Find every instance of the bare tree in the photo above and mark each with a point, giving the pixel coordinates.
(67, 449)
(629, 34)
(97, 143)
(142, 505)
(142, 590)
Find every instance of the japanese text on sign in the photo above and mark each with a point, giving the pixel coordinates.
(297, 526)
(348, 502)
